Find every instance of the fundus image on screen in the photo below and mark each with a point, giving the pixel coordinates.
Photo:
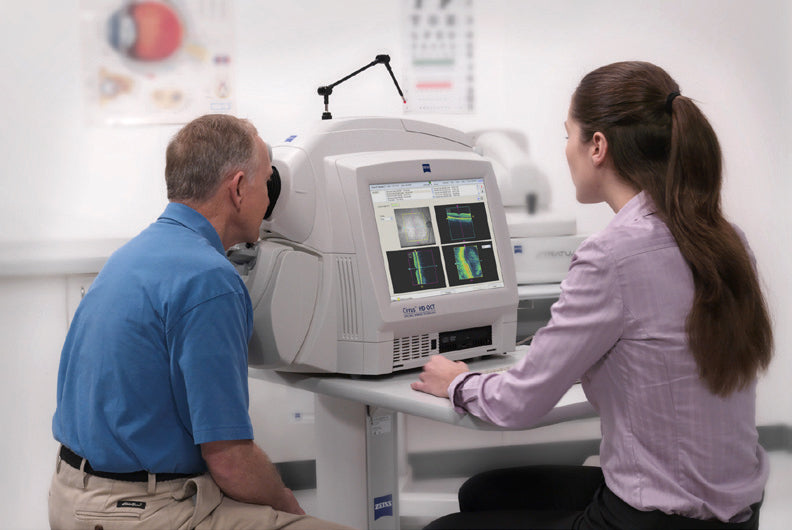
(415, 226)
(435, 237)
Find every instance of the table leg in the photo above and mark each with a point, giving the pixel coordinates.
(356, 464)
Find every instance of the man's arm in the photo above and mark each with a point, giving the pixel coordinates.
(245, 473)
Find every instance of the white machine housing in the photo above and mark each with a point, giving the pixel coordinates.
(318, 283)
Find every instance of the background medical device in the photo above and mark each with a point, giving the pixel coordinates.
(543, 240)
(388, 244)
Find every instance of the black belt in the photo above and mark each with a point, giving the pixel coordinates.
(75, 461)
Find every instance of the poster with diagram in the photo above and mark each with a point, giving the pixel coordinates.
(438, 45)
(156, 61)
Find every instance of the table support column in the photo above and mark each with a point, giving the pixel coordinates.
(356, 464)
(340, 462)
(382, 470)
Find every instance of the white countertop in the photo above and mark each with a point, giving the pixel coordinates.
(393, 392)
(44, 258)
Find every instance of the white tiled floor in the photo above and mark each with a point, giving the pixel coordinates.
(776, 511)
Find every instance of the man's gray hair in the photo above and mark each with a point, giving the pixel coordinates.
(206, 151)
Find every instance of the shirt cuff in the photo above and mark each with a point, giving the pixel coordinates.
(455, 390)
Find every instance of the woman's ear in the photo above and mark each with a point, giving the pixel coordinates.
(599, 149)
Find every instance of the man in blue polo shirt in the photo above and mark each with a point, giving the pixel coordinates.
(152, 409)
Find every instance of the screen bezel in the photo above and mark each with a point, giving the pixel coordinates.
(359, 171)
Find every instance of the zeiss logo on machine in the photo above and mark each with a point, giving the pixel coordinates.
(427, 168)
(383, 506)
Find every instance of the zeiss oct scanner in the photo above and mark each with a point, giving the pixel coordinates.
(388, 244)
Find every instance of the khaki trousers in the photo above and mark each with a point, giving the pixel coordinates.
(80, 501)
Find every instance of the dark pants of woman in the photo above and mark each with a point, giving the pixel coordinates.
(558, 497)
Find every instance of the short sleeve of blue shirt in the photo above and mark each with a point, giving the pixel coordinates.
(210, 388)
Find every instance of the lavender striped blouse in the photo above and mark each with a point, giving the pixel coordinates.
(619, 326)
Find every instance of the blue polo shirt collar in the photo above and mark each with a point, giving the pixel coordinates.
(191, 219)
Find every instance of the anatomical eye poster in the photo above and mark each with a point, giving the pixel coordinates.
(156, 61)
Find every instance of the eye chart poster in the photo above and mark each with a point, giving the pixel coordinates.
(438, 37)
(156, 61)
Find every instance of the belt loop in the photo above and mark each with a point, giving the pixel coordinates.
(84, 474)
(58, 460)
(152, 483)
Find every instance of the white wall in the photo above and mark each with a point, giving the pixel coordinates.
(63, 179)
(32, 332)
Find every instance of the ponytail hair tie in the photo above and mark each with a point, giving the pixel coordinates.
(669, 101)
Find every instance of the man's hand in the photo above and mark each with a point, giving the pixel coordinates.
(292, 506)
(245, 473)
(438, 374)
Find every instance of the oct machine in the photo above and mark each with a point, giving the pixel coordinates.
(388, 244)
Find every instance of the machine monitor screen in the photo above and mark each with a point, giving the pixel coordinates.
(435, 237)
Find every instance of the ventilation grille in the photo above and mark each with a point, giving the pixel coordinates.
(349, 315)
(411, 348)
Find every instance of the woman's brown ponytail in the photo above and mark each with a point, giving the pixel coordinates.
(662, 143)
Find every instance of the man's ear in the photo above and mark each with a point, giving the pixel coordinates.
(599, 149)
(235, 184)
